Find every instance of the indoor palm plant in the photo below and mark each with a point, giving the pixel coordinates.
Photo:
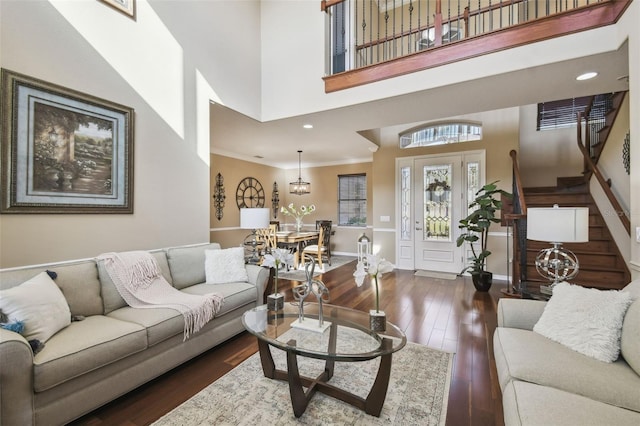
(476, 227)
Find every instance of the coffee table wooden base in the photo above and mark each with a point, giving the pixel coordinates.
(300, 399)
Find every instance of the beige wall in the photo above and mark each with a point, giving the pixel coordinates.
(150, 65)
(324, 195)
(500, 136)
(546, 155)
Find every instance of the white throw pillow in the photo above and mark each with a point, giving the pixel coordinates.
(40, 304)
(225, 266)
(587, 320)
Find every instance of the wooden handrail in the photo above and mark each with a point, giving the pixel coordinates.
(325, 4)
(516, 173)
(601, 180)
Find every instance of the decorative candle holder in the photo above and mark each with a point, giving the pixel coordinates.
(377, 320)
(275, 302)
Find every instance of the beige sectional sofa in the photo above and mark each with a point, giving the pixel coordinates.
(112, 348)
(546, 383)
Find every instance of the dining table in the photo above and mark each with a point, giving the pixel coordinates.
(297, 238)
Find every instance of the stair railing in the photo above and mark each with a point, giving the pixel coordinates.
(597, 119)
(601, 180)
(519, 219)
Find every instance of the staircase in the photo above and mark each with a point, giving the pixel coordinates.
(601, 264)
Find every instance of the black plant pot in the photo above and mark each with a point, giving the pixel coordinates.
(482, 280)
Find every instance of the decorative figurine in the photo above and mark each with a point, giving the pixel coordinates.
(301, 292)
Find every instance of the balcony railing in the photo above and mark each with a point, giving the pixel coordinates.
(370, 39)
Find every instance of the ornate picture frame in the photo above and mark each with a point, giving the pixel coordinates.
(128, 7)
(63, 151)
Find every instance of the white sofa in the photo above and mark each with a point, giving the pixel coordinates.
(546, 383)
(113, 348)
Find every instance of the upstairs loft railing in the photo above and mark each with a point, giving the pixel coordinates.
(373, 40)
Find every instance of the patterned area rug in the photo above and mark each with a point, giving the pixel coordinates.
(417, 395)
(299, 275)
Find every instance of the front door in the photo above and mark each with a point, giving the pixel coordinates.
(438, 209)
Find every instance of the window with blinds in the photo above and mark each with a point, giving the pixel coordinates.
(352, 200)
(562, 113)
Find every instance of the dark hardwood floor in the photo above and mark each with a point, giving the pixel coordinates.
(443, 314)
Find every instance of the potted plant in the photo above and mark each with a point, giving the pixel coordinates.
(476, 227)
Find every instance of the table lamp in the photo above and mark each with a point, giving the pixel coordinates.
(254, 219)
(557, 225)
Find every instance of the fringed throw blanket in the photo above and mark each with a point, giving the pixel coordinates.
(137, 278)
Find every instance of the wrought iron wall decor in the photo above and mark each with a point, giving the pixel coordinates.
(626, 153)
(249, 193)
(275, 200)
(218, 196)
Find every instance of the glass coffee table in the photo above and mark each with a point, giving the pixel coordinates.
(346, 338)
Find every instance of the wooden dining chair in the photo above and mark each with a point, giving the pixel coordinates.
(322, 250)
(268, 237)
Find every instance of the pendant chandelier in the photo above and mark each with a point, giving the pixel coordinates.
(299, 187)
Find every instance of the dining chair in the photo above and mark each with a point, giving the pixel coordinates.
(321, 250)
(268, 237)
(274, 227)
(319, 223)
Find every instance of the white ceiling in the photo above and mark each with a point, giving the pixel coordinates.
(336, 135)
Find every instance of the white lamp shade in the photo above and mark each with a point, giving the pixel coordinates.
(558, 224)
(254, 218)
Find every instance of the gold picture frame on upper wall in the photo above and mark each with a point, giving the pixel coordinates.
(63, 151)
(128, 7)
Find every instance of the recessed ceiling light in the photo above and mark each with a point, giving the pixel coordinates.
(586, 76)
(308, 126)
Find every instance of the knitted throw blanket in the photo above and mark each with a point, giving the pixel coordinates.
(137, 278)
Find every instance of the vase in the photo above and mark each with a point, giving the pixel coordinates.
(482, 280)
(377, 320)
(275, 302)
(299, 224)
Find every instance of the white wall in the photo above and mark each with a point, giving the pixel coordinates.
(153, 66)
(294, 64)
(628, 26)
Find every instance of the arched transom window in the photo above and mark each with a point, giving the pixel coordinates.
(441, 133)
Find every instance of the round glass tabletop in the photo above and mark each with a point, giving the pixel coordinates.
(354, 340)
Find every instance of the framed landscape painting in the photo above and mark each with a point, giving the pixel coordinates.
(63, 151)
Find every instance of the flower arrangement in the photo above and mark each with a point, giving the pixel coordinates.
(375, 267)
(278, 258)
(298, 213)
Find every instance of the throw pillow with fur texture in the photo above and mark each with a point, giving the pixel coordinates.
(587, 320)
(225, 266)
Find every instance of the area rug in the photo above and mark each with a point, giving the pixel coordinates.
(433, 274)
(417, 395)
(300, 275)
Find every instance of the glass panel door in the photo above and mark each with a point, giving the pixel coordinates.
(438, 195)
